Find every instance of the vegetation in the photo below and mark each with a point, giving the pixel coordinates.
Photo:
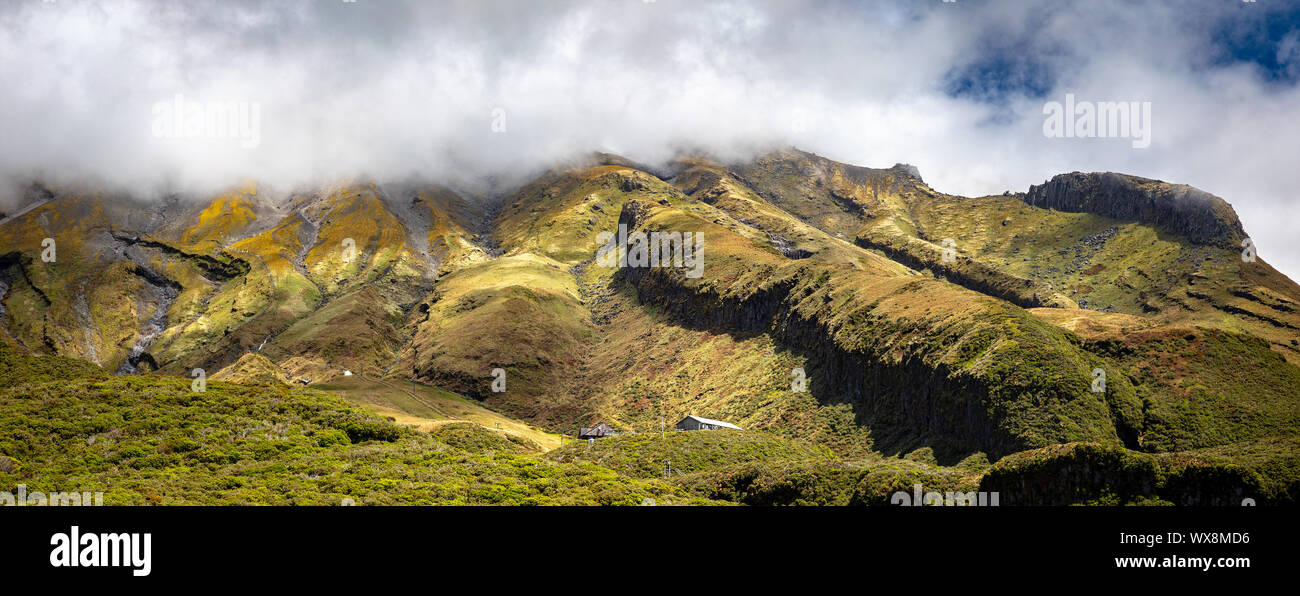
(648, 455)
(1267, 472)
(18, 369)
(430, 408)
(979, 370)
(871, 482)
(757, 468)
(152, 440)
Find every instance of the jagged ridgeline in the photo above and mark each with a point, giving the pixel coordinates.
(1098, 325)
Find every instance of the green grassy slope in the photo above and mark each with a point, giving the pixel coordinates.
(644, 455)
(431, 408)
(757, 468)
(151, 440)
(990, 377)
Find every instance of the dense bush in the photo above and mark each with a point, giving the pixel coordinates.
(151, 440)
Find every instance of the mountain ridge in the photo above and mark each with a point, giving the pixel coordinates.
(922, 320)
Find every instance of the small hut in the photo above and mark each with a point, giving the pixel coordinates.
(697, 423)
(595, 432)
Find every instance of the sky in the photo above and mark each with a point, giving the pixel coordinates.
(482, 92)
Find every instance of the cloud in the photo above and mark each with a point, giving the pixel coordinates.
(466, 91)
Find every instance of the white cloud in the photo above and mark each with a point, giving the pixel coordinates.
(393, 89)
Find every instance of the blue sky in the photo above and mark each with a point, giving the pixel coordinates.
(1264, 38)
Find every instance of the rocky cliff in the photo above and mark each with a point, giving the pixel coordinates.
(1175, 208)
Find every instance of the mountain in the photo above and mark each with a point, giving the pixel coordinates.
(1097, 326)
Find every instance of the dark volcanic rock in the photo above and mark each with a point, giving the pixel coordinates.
(1178, 209)
(909, 170)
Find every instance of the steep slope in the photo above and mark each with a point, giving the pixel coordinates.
(922, 361)
(521, 313)
(78, 286)
(563, 223)
(878, 210)
(1105, 242)
(182, 284)
(1178, 209)
(1184, 270)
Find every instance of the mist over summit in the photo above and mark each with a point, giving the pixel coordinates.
(472, 91)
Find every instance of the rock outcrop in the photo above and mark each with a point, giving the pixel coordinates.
(1175, 208)
(910, 170)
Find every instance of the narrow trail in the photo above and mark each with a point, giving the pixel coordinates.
(417, 398)
(23, 211)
